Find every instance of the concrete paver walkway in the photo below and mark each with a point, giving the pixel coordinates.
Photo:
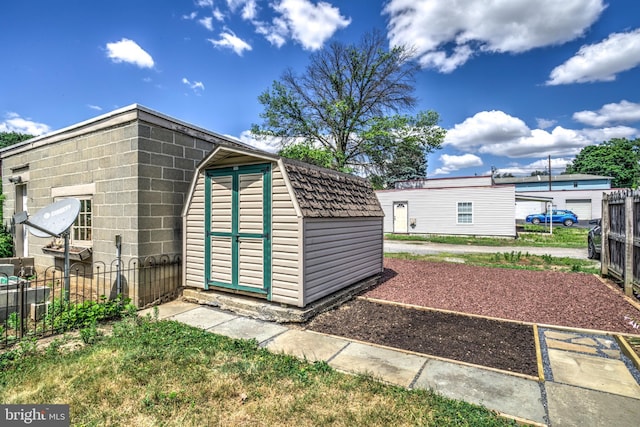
(588, 381)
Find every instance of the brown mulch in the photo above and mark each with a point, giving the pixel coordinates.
(544, 297)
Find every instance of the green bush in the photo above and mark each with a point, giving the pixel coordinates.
(6, 243)
(66, 315)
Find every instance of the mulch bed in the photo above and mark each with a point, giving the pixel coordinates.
(501, 345)
(543, 297)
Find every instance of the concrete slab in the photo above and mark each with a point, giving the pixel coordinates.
(245, 328)
(306, 345)
(560, 335)
(392, 366)
(592, 372)
(504, 393)
(575, 406)
(169, 309)
(561, 345)
(202, 317)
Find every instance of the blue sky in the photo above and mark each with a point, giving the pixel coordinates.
(513, 81)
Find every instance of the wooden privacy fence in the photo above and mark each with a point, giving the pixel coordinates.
(621, 238)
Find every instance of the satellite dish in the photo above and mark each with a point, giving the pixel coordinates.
(54, 219)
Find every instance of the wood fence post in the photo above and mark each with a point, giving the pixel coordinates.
(628, 245)
(605, 228)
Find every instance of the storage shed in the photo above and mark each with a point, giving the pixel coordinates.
(286, 231)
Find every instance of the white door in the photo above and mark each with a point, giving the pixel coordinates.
(400, 213)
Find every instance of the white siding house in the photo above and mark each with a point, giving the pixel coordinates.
(477, 209)
(273, 228)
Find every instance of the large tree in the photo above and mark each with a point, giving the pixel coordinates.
(10, 138)
(341, 98)
(618, 158)
(397, 147)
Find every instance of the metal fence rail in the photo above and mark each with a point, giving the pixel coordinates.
(44, 304)
(621, 238)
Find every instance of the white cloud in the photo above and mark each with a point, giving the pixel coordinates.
(249, 10)
(600, 61)
(453, 163)
(196, 86)
(470, 26)
(204, 3)
(94, 107)
(545, 123)
(499, 134)
(128, 51)
(311, 24)
(191, 16)
(624, 111)
(605, 134)
(276, 33)
(269, 144)
(558, 165)
(218, 15)
(206, 22)
(486, 127)
(228, 40)
(14, 123)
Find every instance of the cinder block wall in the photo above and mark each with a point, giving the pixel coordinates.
(141, 170)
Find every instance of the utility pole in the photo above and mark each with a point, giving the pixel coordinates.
(549, 172)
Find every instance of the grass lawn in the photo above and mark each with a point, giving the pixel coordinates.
(516, 260)
(533, 235)
(148, 372)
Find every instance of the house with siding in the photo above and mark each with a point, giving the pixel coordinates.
(580, 193)
(450, 206)
(273, 228)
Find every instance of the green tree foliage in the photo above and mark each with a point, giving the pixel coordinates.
(345, 92)
(618, 158)
(540, 173)
(397, 147)
(10, 138)
(306, 152)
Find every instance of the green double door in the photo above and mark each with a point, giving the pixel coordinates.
(238, 228)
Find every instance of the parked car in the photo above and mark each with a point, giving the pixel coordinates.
(567, 218)
(594, 239)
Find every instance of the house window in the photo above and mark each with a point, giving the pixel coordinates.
(575, 184)
(81, 229)
(465, 212)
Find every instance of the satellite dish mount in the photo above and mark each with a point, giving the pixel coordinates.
(54, 220)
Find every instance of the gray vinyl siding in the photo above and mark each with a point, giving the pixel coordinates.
(286, 283)
(339, 252)
(194, 237)
(435, 210)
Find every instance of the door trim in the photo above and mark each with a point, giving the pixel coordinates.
(234, 235)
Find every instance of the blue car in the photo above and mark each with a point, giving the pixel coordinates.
(564, 217)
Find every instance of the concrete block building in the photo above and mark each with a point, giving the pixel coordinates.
(130, 168)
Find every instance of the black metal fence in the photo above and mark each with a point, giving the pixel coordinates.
(49, 302)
